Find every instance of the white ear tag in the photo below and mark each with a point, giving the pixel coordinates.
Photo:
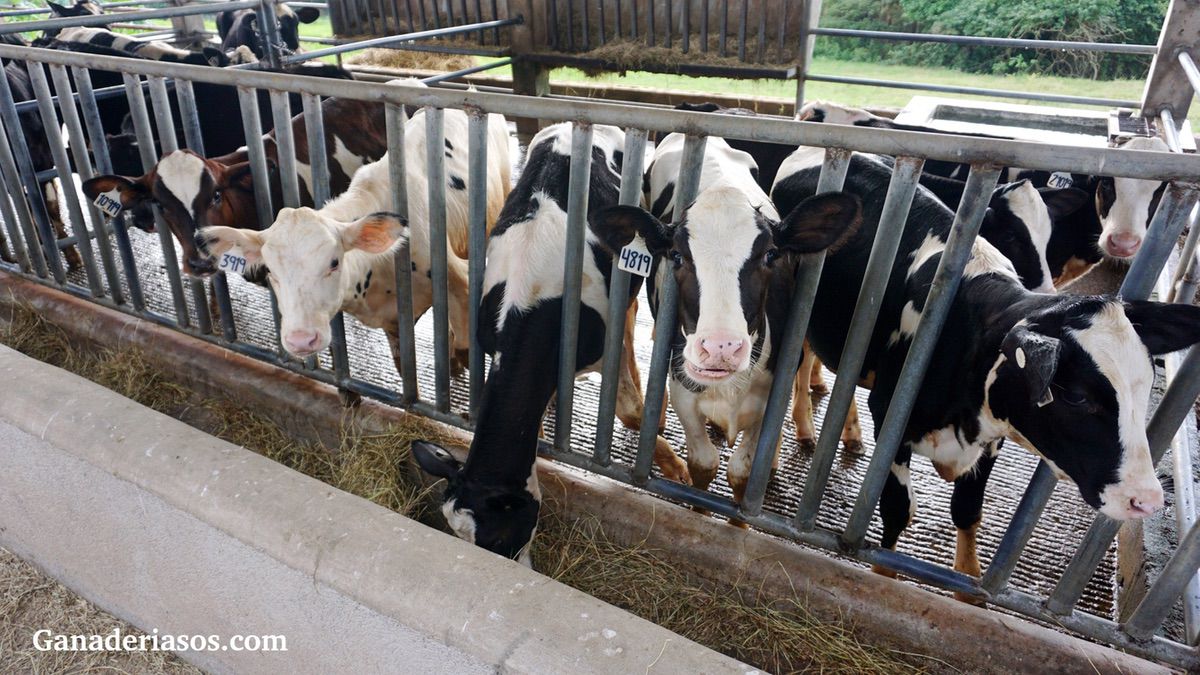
(1060, 179)
(635, 258)
(232, 261)
(109, 202)
(1048, 400)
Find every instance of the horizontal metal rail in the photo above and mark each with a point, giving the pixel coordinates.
(467, 71)
(30, 11)
(977, 91)
(396, 39)
(105, 19)
(980, 41)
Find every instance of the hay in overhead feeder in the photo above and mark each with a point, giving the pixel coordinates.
(625, 54)
(408, 59)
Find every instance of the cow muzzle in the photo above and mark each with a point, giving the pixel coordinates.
(1132, 500)
(1122, 244)
(717, 355)
(304, 342)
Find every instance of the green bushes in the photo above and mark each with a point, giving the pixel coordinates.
(1127, 21)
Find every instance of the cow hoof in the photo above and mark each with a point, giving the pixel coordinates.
(807, 444)
(818, 389)
(853, 446)
(701, 476)
(969, 599)
(739, 523)
(884, 571)
(676, 470)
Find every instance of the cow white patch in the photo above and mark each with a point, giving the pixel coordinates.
(903, 474)
(910, 318)
(1027, 204)
(721, 234)
(987, 259)
(804, 157)
(931, 246)
(461, 521)
(181, 174)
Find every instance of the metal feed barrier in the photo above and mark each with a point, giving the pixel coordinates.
(113, 278)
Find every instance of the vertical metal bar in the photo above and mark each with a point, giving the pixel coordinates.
(783, 19)
(189, 116)
(252, 129)
(220, 287)
(285, 149)
(577, 200)
(408, 14)
(879, 266)
(477, 219)
(406, 340)
(808, 275)
(552, 17)
(665, 319)
(1161, 237)
(570, 25)
(980, 183)
(479, 18)
(742, 30)
(1183, 282)
(162, 115)
(1165, 590)
(1020, 529)
(587, 39)
(633, 19)
(495, 31)
(424, 17)
(722, 37)
(685, 33)
(619, 9)
(83, 165)
(704, 27)
(141, 125)
(667, 23)
(41, 216)
(29, 238)
(15, 238)
(435, 170)
(650, 23)
(603, 26)
(618, 291)
(98, 143)
(1170, 132)
(802, 55)
(762, 33)
(449, 13)
(268, 25)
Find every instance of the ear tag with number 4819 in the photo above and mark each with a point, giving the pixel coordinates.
(635, 258)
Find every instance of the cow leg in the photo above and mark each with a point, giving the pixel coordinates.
(966, 508)
(703, 458)
(852, 431)
(816, 382)
(802, 409)
(460, 321)
(393, 338)
(741, 462)
(54, 210)
(897, 505)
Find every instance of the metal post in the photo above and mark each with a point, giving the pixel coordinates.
(1180, 570)
(407, 341)
(435, 170)
(883, 255)
(477, 220)
(252, 129)
(189, 116)
(667, 295)
(577, 201)
(980, 183)
(285, 149)
(1183, 282)
(618, 291)
(268, 25)
(1020, 529)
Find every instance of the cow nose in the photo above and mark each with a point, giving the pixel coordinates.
(1145, 502)
(1123, 244)
(722, 347)
(302, 341)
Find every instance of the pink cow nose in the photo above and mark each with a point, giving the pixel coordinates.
(1123, 244)
(302, 341)
(718, 348)
(1145, 502)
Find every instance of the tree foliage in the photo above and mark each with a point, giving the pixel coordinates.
(1124, 21)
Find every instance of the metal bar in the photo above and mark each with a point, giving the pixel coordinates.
(285, 149)
(618, 291)
(1190, 69)
(269, 28)
(1170, 132)
(665, 318)
(99, 94)
(395, 39)
(762, 34)
(587, 40)
(141, 125)
(477, 133)
(650, 37)
(808, 275)
(724, 27)
(685, 22)
(1020, 529)
(603, 26)
(979, 41)
(406, 340)
(99, 145)
(478, 18)
(435, 170)
(467, 71)
(976, 91)
(104, 19)
(618, 12)
(1161, 237)
(633, 19)
(783, 17)
(162, 115)
(883, 255)
(742, 30)
(552, 21)
(220, 288)
(570, 25)
(15, 213)
(980, 183)
(802, 56)
(189, 116)
(1180, 570)
(449, 13)
(1186, 281)
(577, 206)
(83, 165)
(252, 129)
(496, 30)
(424, 16)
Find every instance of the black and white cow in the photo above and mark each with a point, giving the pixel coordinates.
(493, 499)
(734, 260)
(1067, 377)
(240, 28)
(106, 42)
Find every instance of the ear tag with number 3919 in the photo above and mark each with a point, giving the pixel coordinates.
(635, 258)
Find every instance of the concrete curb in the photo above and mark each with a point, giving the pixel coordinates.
(881, 611)
(115, 499)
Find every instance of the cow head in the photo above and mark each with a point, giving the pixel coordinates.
(722, 255)
(80, 8)
(289, 23)
(499, 518)
(1126, 205)
(1019, 221)
(303, 253)
(1073, 381)
(192, 192)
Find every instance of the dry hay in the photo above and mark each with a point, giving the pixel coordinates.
(625, 55)
(407, 59)
(778, 635)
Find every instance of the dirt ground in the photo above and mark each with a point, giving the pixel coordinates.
(31, 601)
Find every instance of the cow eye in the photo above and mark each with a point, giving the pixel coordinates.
(216, 198)
(1074, 398)
(677, 258)
(333, 264)
(770, 256)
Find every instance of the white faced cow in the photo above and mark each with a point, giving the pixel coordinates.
(1067, 377)
(493, 500)
(323, 262)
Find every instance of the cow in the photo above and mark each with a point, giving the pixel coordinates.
(105, 42)
(240, 28)
(1067, 377)
(493, 500)
(193, 192)
(734, 260)
(318, 265)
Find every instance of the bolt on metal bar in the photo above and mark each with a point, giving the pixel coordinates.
(896, 204)
(477, 133)
(978, 41)
(577, 208)
(618, 290)
(406, 341)
(1165, 590)
(145, 138)
(83, 166)
(189, 116)
(1161, 237)
(808, 275)
(99, 145)
(104, 19)
(667, 297)
(285, 149)
(442, 77)
(980, 183)
(435, 170)
(395, 39)
(976, 91)
(52, 262)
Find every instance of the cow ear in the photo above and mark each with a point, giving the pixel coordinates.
(217, 241)
(435, 460)
(132, 191)
(1062, 202)
(56, 9)
(618, 225)
(820, 222)
(239, 176)
(1164, 327)
(1035, 357)
(375, 233)
(307, 14)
